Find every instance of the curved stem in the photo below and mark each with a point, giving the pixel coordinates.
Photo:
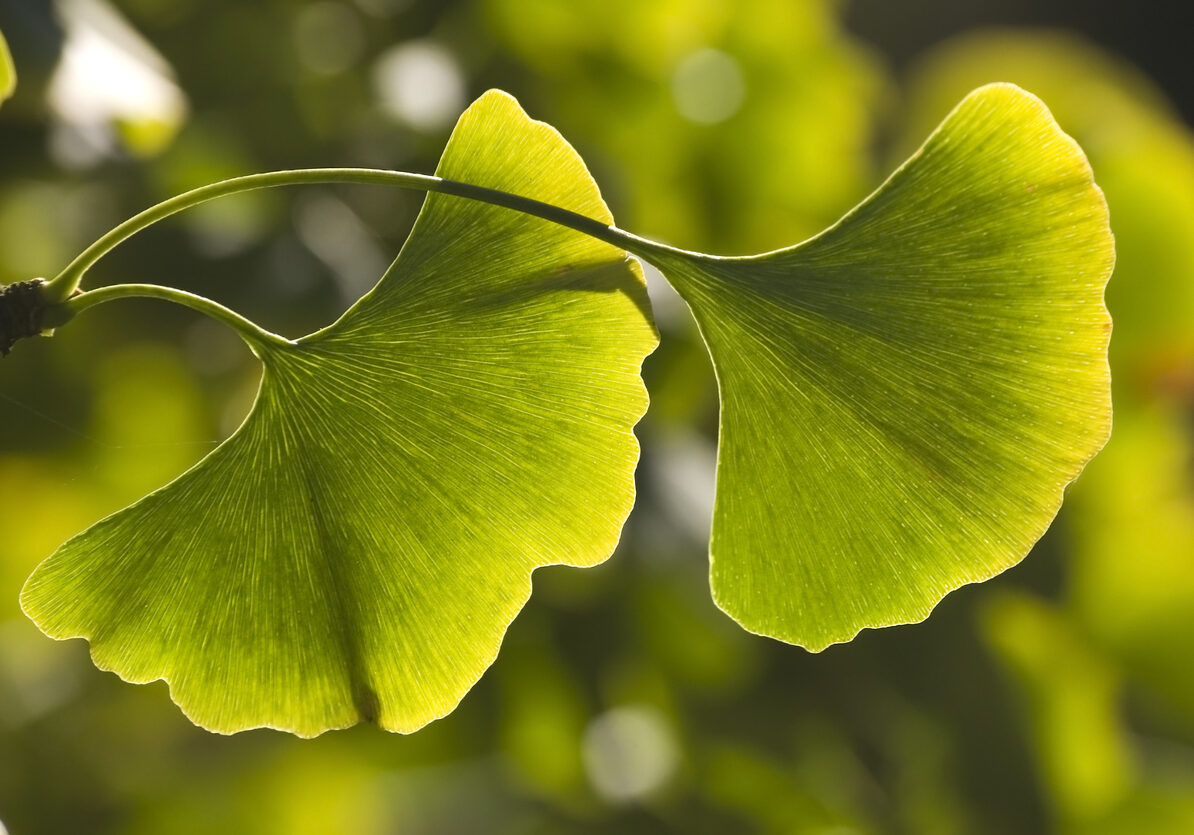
(65, 283)
(258, 339)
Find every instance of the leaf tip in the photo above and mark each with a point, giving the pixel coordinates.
(8, 73)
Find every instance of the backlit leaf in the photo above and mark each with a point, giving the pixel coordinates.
(356, 550)
(906, 396)
(8, 74)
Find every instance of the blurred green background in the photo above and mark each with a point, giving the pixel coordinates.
(1058, 697)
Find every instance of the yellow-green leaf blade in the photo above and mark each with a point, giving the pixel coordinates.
(8, 73)
(358, 548)
(905, 396)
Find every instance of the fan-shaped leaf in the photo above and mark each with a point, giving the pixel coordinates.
(905, 396)
(357, 549)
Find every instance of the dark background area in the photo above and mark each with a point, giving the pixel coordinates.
(1152, 35)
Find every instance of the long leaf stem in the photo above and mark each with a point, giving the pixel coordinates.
(60, 288)
(257, 338)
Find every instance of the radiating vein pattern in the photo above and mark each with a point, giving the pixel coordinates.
(905, 396)
(357, 549)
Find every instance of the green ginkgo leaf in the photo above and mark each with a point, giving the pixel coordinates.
(356, 550)
(905, 396)
(8, 74)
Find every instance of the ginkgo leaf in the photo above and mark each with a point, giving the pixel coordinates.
(356, 550)
(8, 74)
(905, 396)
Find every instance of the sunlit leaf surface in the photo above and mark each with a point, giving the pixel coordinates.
(357, 549)
(1143, 155)
(8, 75)
(905, 396)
